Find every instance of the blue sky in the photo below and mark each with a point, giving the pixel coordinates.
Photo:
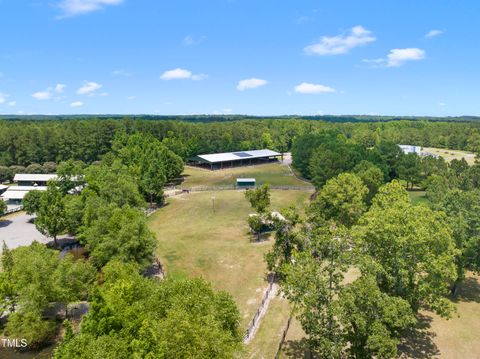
(260, 57)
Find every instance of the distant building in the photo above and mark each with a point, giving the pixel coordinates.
(234, 159)
(33, 179)
(25, 182)
(416, 149)
(246, 182)
(410, 149)
(14, 194)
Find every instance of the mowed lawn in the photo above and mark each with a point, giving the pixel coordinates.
(276, 174)
(450, 155)
(196, 241)
(454, 338)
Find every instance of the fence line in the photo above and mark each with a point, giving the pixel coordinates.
(284, 335)
(252, 326)
(179, 190)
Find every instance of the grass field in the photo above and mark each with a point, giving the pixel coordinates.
(449, 155)
(418, 197)
(193, 241)
(274, 173)
(455, 338)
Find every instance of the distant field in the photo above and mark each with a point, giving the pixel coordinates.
(193, 240)
(449, 155)
(273, 173)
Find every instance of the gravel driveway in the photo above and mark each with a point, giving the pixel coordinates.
(19, 230)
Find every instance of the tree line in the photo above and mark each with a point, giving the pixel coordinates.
(42, 142)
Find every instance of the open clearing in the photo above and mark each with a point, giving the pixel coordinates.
(450, 155)
(274, 173)
(194, 241)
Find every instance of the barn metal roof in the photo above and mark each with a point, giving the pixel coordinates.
(34, 177)
(18, 192)
(237, 156)
(245, 180)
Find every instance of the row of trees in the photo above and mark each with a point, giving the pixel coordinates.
(325, 155)
(357, 269)
(29, 142)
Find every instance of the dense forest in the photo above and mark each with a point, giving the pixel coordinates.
(27, 142)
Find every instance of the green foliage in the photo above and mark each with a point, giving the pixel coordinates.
(391, 194)
(151, 162)
(31, 202)
(142, 318)
(6, 174)
(74, 210)
(118, 233)
(32, 278)
(463, 215)
(70, 175)
(332, 158)
(51, 217)
(112, 182)
(409, 169)
(371, 175)
(412, 249)
(341, 199)
(287, 240)
(373, 321)
(259, 198)
(30, 325)
(3, 207)
(313, 282)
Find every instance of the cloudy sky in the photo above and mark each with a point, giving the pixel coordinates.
(263, 57)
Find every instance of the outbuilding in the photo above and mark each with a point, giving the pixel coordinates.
(234, 159)
(33, 179)
(246, 182)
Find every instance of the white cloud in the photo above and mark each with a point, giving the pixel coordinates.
(12, 103)
(59, 88)
(88, 88)
(433, 33)
(121, 73)
(103, 94)
(199, 77)
(182, 74)
(251, 83)
(76, 104)
(341, 44)
(398, 57)
(309, 88)
(176, 74)
(3, 98)
(43, 95)
(191, 40)
(79, 7)
(131, 98)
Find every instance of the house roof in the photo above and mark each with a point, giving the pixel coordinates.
(34, 177)
(18, 192)
(237, 156)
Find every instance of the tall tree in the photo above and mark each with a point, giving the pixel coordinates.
(118, 233)
(51, 213)
(341, 199)
(412, 247)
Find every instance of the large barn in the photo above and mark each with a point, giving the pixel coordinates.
(233, 159)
